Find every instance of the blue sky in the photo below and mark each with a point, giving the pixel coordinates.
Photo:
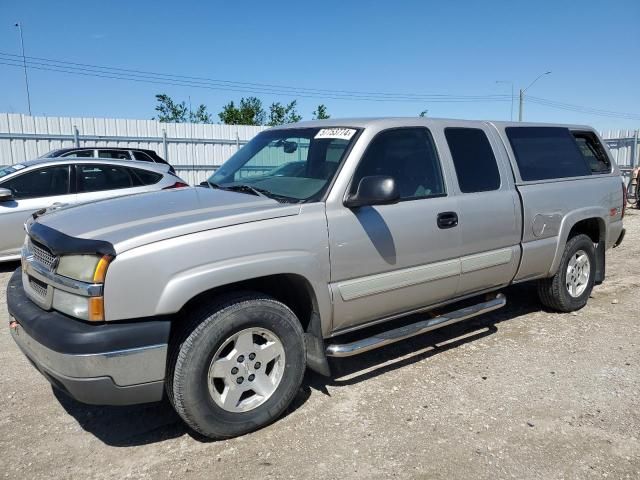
(413, 47)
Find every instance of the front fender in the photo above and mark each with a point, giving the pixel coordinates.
(185, 285)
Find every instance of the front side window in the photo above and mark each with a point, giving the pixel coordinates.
(45, 182)
(473, 159)
(114, 154)
(294, 165)
(544, 153)
(409, 156)
(95, 178)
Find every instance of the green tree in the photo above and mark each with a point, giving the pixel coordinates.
(320, 113)
(170, 111)
(200, 115)
(423, 113)
(280, 114)
(249, 112)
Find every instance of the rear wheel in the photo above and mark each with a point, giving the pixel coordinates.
(570, 287)
(239, 368)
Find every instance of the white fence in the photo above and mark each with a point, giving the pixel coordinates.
(195, 150)
(624, 145)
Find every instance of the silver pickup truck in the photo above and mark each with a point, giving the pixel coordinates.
(219, 296)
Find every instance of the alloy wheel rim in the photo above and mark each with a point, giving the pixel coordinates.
(578, 271)
(246, 370)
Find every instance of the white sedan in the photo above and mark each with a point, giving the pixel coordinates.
(49, 182)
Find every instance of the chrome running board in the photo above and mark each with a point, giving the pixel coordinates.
(407, 331)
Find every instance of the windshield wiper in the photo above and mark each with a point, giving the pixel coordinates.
(247, 189)
(260, 192)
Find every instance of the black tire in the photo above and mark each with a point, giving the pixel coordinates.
(553, 291)
(193, 348)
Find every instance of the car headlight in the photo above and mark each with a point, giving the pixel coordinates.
(85, 268)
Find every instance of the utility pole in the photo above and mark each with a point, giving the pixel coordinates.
(521, 105)
(24, 64)
(522, 90)
(509, 82)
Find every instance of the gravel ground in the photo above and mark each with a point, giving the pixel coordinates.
(520, 393)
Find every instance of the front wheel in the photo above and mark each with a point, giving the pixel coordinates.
(239, 368)
(570, 287)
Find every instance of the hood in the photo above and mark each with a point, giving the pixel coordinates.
(135, 220)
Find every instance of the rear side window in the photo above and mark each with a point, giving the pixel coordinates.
(114, 154)
(80, 154)
(593, 152)
(473, 158)
(145, 177)
(142, 156)
(95, 178)
(544, 153)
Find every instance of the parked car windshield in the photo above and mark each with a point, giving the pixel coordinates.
(4, 171)
(292, 164)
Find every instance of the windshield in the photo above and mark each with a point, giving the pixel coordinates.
(293, 164)
(4, 171)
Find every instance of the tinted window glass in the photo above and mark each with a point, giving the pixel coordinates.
(94, 178)
(142, 156)
(593, 152)
(47, 182)
(473, 158)
(115, 154)
(409, 156)
(80, 153)
(546, 152)
(146, 177)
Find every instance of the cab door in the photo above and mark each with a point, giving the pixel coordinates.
(390, 259)
(32, 191)
(488, 207)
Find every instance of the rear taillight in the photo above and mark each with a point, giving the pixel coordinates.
(176, 185)
(624, 198)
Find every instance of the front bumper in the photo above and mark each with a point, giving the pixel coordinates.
(119, 363)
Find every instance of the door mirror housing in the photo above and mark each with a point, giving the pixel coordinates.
(5, 195)
(374, 190)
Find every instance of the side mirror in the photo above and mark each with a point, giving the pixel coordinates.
(5, 195)
(374, 190)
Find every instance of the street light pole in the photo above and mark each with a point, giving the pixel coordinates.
(522, 90)
(24, 64)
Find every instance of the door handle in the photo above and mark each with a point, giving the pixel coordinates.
(447, 220)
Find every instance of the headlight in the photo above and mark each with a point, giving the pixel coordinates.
(86, 268)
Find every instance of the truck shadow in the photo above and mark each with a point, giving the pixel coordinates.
(151, 423)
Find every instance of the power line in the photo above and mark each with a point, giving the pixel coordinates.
(227, 85)
(583, 109)
(142, 76)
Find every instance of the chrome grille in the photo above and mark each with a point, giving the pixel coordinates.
(38, 287)
(42, 255)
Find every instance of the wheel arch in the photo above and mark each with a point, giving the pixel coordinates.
(292, 289)
(590, 222)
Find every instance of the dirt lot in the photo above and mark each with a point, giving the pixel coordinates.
(521, 393)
